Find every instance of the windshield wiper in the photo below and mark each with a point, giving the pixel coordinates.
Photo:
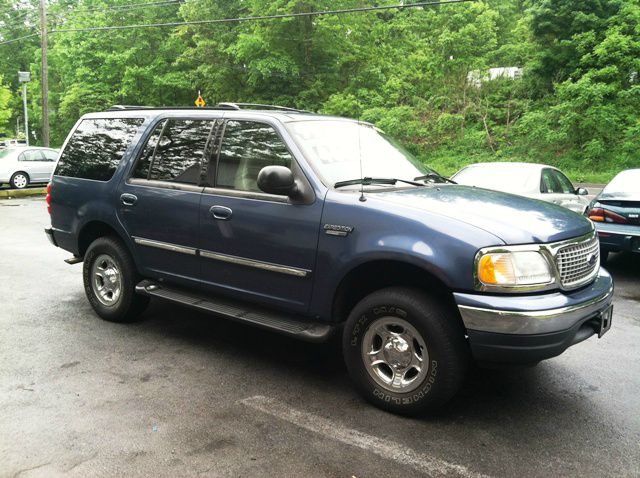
(434, 175)
(369, 181)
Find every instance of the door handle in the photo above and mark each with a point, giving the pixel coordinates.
(128, 199)
(221, 212)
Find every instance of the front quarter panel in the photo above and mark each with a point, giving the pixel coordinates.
(442, 246)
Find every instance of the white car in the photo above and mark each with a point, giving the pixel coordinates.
(537, 181)
(26, 165)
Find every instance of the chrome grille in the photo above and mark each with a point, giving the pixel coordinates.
(578, 263)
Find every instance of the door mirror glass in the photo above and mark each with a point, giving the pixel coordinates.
(582, 192)
(277, 180)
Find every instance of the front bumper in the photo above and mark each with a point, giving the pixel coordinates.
(619, 237)
(530, 328)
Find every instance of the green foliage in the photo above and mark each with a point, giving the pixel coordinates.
(5, 101)
(419, 74)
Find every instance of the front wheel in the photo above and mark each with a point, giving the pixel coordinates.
(110, 278)
(405, 351)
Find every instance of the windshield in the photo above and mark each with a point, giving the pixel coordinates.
(625, 182)
(508, 178)
(335, 149)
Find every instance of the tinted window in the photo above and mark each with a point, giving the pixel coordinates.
(549, 182)
(175, 151)
(142, 166)
(246, 148)
(50, 155)
(96, 148)
(565, 185)
(31, 155)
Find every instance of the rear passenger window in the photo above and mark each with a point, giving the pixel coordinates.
(175, 151)
(246, 148)
(31, 155)
(96, 148)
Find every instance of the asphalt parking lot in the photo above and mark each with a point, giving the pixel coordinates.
(186, 394)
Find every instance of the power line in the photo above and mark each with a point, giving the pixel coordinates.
(264, 17)
(125, 7)
(247, 19)
(6, 42)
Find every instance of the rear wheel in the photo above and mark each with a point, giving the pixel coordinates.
(405, 351)
(110, 278)
(19, 180)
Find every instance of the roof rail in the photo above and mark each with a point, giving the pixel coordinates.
(128, 107)
(260, 106)
(219, 106)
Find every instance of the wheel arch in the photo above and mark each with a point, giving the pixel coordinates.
(94, 229)
(368, 277)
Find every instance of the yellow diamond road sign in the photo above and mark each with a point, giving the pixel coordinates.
(200, 101)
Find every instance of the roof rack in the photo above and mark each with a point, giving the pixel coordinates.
(259, 106)
(219, 106)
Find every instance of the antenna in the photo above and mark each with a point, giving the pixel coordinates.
(362, 198)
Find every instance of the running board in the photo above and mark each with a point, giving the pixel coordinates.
(240, 311)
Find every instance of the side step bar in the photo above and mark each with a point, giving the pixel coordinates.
(241, 312)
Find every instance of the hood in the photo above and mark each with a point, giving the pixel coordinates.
(514, 219)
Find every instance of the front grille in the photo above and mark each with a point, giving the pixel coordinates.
(578, 263)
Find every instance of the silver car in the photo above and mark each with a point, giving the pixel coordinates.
(26, 165)
(537, 181)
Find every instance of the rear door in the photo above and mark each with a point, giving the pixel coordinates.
(32, 162)
(160, 199)
(254, 245)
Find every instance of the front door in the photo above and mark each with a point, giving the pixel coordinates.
(160, 200)
(256, 246)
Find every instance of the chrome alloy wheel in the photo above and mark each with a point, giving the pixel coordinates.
(395, 355)
(20, 181)
(106, 280)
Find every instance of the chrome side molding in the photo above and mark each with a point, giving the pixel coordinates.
(166, 246)
(216, 256)
(267, 266)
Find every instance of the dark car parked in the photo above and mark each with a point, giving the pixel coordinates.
(310, 226)
(616, 214)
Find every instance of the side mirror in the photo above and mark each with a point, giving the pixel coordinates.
(582, 192)
(277, 180)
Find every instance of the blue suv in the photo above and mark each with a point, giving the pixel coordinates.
(311, 226)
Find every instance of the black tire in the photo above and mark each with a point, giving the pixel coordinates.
(12, 181)
(128, 306)
(441, 332)
(604, 255)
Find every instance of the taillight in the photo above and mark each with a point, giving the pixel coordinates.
(599, 214)
(48, 198)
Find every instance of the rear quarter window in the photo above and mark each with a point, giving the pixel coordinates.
(96, 148)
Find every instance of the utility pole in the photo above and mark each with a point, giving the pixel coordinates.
(24, 77)
(44, 74)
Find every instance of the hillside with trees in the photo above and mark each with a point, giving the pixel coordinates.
(420, 74)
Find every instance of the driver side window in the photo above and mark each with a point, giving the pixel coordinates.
(247, 147)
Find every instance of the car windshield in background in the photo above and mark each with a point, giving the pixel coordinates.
(625, 184)
(335, 149)
(509, 178)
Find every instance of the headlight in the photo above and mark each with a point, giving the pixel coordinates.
(512, 269)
